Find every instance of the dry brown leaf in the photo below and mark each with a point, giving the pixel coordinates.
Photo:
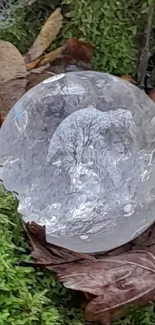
(1, 119)
(58, 254)
(128, 78)
(116, 282)
(32, 65)
(152, 94)
(12, 76)
(97, 311)
(41, 68)
(34, 78)
(110, 283)
(47, 35)
(78, 50)
(51, 56)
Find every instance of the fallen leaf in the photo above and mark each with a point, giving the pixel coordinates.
(34, 78)
(58, 254)
(128, 78)
(78, 50)
(51, 56)
(47, 35)
(97, 311)
(1, 119)
(115, 282)
(125, 280)
(111, 284)
(12, 76)
(32, 65)
(152, 94)
(40, 69)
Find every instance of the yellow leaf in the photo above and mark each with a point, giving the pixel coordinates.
(128, 78)
(32, 65)
(51, 56)
(47, 35)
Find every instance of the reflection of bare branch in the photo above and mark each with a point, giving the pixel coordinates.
(68, 145)
(146, 51)
(87, 129)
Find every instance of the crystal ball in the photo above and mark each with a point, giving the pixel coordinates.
(78, 148)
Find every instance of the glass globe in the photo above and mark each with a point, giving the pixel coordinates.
(79, 150)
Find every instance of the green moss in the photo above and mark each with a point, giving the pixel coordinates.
(28, 297)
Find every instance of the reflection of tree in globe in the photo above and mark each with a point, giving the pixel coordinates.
(94, 150)
(80, 153)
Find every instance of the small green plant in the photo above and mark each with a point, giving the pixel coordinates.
(112, 27)
(139, 316)
(24, 21)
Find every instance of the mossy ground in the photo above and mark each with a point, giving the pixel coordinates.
(31, 297)
(27, 296)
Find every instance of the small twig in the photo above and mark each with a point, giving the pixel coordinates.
(146, 51)
(50, 72)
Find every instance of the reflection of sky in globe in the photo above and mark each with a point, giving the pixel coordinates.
(21, 119)
(18, 114)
